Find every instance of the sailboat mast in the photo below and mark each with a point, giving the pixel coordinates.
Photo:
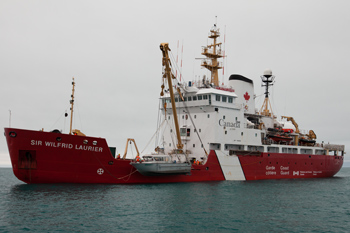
(71, 107)
(166, 62)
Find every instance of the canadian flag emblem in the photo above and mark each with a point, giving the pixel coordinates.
(246, 96)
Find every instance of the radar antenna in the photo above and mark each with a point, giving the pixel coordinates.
(268, 79)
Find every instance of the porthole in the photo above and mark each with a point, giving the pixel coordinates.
(94, 143)
(58, 139)
(85, 141)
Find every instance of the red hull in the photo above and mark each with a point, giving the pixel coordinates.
(289, 166)
(45, 157)
(37, 157)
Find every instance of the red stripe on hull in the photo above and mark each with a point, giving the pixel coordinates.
(289, 166)
(44, 157)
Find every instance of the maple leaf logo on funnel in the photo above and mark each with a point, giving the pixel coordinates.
(246, 96)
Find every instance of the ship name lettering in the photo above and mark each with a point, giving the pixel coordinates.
(284, 168)
(59, 145)
(270, 168)
(236, 124)
(36, 143)
(89, 148)
(269, 173)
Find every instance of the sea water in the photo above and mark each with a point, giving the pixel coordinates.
(299, 205)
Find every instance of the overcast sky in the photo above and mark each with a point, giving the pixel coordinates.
(112, 50)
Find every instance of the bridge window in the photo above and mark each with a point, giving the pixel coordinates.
(200, 97)
(230, 99)
(224, 98)
(217, 97)
(185, 132)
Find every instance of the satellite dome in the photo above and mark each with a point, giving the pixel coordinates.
(268, 73)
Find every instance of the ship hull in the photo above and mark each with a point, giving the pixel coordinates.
(289, 166)
(46, 157)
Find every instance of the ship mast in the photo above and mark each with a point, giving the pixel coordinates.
(213, 52)
(267, 80)
(71, 108)
(164, 47)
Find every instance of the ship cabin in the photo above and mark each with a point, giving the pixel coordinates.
(225, 119)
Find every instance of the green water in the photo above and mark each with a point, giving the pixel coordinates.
(303, 205)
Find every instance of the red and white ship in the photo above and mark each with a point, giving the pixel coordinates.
(208, 132)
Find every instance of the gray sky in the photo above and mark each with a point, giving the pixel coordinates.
(112, 49)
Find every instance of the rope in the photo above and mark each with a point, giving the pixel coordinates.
(171, 135)
(153, 136)
(176, 65)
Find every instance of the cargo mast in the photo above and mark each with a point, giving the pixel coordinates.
(71, 107)
(213, 52)
(168, 76)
